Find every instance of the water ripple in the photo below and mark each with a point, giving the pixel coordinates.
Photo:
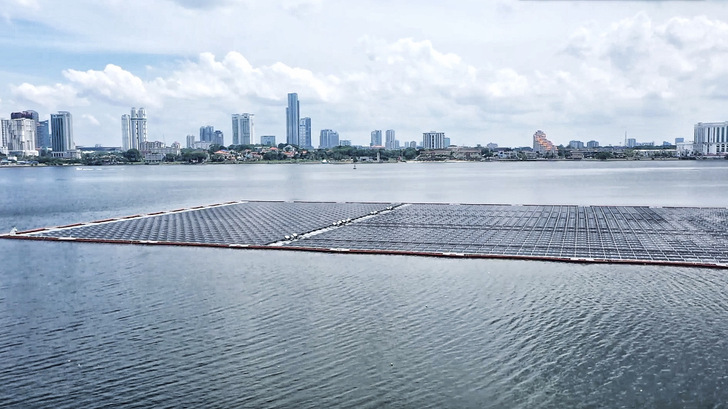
(204, 327)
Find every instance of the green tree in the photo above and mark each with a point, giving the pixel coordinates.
(133, 155)
(410, 153)
(215, 147)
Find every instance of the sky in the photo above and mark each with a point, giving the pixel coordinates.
(480, 71)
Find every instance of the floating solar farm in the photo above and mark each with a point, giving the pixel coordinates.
(599, 234)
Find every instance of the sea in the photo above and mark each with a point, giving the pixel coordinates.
(87, 325)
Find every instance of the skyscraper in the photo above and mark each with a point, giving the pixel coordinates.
(304, 133)
(126, 138)
(62, 134)
(217, 138)
(433, 140)
(33, 116)
(293, 116)
(3, 137)
(190, 141)
(44, 135)
(390, 143)
(243, 129)
(133, 129)
(376, 138)
(328, 139)
(207, 133)
(543, 145)
(18, 136)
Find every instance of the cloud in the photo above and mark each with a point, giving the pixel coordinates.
(113, 84)
(302, 8)
(91, 119)
(58, 96)
(28, 4)
(204, 4)
(633, 69)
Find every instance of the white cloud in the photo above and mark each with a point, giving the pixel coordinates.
(26, 4)
(113, 84)
(91, 119)
(302, 8)
(58, 96)
(616, 74)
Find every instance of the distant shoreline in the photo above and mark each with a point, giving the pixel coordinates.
(349, 162)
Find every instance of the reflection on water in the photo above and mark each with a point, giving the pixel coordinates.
(86, 325)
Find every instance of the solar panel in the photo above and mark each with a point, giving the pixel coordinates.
(559, 232)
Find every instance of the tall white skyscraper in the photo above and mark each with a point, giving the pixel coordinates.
(304, 133)
(17, 136)
(243, 129)
(133, 129)
(376, 138)
(126, 139)
(4, 136)
(62, 134)
(433, 140)
(390, 143)
(293, 116)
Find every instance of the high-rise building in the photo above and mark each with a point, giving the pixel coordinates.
(126, 138)
(243, 129)
(433, 140)
(446, 141)
(33, 116)
(328, 139)
(4, 136)
(43, 135)
(206, 133)
(592, 144)
(344, 142)
(62, 135)
(630, 142)
(304, 133)
(576, 144)
(376, 138)
(293, 116)
(542, 145)
(18, 136)
(190, 141)
(268, 140)
(390, 142)
(711, 138)
(217, 138)
(133, 129)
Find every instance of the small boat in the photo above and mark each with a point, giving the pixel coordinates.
(355, 166)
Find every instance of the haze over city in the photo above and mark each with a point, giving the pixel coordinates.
(479, 71)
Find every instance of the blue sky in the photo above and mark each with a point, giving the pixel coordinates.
(481, 72)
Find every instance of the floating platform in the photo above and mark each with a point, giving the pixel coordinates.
(588, 234)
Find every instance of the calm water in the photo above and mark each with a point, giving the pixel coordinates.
(84, 325)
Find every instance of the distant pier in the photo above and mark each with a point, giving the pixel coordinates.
(679, 236)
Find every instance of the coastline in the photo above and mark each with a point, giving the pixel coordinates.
(350, 162)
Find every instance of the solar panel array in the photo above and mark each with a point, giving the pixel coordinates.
(681, 235)
(598, 232)
(252, 223)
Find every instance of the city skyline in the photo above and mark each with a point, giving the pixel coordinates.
(578, 71)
